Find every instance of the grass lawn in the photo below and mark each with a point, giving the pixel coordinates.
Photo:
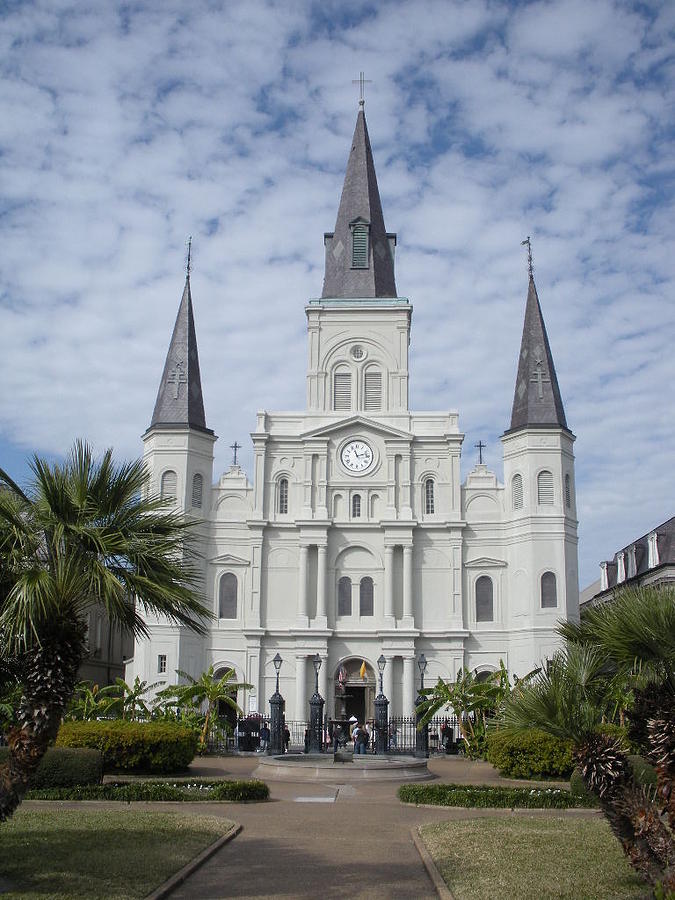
(531, 858)
(111, 854)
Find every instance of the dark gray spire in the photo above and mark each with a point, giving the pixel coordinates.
(179, 399)
(360, 205)
(537, 401)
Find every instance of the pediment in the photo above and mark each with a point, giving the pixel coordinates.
(484, 562)
(361, 422)
(229, 559)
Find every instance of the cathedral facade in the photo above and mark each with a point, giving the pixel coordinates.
(357, 538)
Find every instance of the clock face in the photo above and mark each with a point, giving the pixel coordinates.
(356, 456)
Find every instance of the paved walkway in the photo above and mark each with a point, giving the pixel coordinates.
(323, 841)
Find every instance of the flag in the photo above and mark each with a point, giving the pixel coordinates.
(362, 670)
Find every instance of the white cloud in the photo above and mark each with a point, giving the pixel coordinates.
(125, 129)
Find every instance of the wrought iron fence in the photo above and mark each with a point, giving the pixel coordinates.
(444, 735)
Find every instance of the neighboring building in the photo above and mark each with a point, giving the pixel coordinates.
(649, 560)
(108, 649)
(357, 537)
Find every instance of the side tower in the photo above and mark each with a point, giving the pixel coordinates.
(178, 454)
(540, 514)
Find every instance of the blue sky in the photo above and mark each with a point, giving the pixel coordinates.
(127, 127)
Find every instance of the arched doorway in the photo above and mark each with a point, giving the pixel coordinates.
(227, 712)
(354, 693)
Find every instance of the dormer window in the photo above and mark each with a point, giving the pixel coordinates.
(360, 246)
(620, 568)
(652, 550)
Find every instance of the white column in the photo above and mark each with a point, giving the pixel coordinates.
(301, 712)
(321, 582)
(323, 681)
(408, 700)
(302, 582)
(388, 582)
(407, 582)
(388, 683)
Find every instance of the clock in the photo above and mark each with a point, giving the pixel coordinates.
(356, 456)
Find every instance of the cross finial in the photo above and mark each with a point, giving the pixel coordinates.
(235, 447)
(362, 82)
(480, 446)
(188, 268)
(530, 267)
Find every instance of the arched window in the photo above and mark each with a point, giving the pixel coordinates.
(227, 596)
(345, 596)
(484, 599)
(360, 247)
(517, 491)
(342, 389)
(549, 593)
(197, 491)
(372, 389)
(366, 596)
(169, 487)
(568, 491)
(429, 496)
(356, 506)
(282, 496)
(545, 488)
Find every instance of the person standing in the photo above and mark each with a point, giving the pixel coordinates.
(287, 738)
(264, 738)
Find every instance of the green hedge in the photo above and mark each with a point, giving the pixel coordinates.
(531, 754)
(155, 747)
(64, 767)
(470, 796)
(198, 789)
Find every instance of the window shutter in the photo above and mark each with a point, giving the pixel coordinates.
(360, 247)
(342, 394)
(197, 490)
(549, 594)
(517, 491)
(373, 390)
(169, 485)
(545, 489)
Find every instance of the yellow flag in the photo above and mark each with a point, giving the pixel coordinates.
(362, 670)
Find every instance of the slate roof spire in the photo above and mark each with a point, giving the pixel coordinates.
(537, 401)
(179, 399)
(360, 205)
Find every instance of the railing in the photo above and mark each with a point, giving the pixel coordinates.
(444, 735)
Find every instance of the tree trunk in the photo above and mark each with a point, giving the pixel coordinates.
(49, 675)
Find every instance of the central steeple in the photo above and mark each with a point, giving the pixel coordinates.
(360, 252)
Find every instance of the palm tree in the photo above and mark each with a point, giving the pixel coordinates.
(206, 690)
(633, 635)
(130, 700)
(84, 533)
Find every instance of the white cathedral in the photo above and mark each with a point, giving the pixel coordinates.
(357, 538)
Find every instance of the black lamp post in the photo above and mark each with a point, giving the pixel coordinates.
(421, 734)
(316, 712)
(277, 707)
(381, 715)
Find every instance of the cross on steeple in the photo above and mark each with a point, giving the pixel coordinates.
(177, 377)
(188, 267)
(540, 378)
(480, 446)
(530, 267)
(235, 447)
(362, 81)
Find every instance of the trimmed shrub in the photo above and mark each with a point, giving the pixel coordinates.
(643, 772)
(472, 796)
(199, 789)
(578, 789)
(156, 747)
(531, 754)
(64, 767)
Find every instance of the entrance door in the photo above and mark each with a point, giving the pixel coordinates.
(355, 702)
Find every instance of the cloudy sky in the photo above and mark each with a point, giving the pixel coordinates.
(126, 127)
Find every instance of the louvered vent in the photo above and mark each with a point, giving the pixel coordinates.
(169, 485)
(360, 247)
(197, 490)
(568, 491)
(342, 393)
(545, 489)
(517, 491)
(373, 389)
